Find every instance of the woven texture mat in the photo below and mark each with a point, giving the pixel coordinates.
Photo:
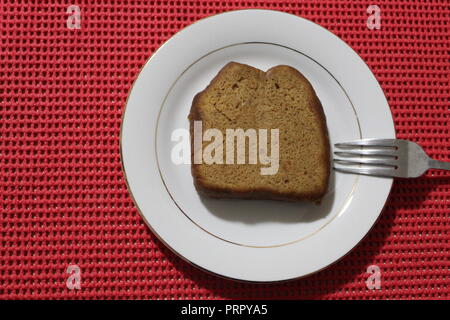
(63, 196)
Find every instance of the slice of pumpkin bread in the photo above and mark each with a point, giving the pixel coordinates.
(243, 97)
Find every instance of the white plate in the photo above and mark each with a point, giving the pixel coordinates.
(249, 239)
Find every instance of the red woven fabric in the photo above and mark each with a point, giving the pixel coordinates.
(63, 196)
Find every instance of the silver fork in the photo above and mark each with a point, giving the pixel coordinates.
(385, 157)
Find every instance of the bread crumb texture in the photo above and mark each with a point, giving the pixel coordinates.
(241, 96)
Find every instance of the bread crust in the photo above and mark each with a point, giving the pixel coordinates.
(260, 193)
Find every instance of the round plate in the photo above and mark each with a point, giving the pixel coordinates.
(252, 240)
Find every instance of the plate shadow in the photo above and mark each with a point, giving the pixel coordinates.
(260, 211)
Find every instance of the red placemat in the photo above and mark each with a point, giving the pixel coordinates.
(63, 196)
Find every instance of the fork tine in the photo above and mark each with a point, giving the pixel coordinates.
(368, 143)
(363, 152)
(375, 171)
(387, 162)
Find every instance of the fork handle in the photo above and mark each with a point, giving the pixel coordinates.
(436, 164)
